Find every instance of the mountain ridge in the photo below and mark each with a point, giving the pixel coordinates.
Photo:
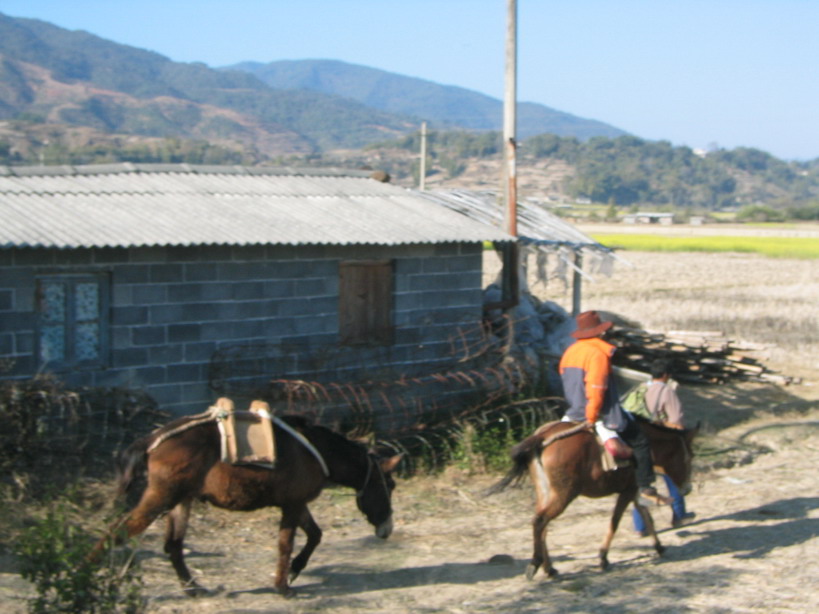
(447, 106)
(77, 57)
(122, 89)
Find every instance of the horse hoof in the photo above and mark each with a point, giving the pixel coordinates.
(604, 564)
(660, 549)
(285, 591)
(552, 572)
(194, 590)
(531, 570)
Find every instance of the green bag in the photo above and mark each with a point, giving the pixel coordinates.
(634, 402)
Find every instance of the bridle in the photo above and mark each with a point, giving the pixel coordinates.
(370, 463)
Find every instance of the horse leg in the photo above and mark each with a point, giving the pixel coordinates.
(649, 522)
(545, 512)
(540, 553)
(623, 499)
(175, 528)
(287, 532)
(150, 506)
(313, 532)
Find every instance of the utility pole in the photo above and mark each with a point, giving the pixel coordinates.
(510, 121)
(422, 171)
(577, 282)
(511, 257)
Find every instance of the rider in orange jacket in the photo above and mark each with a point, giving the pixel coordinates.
(589, 388)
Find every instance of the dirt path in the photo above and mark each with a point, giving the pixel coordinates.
(752, 548)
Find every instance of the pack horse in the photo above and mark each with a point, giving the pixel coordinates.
(182, 462)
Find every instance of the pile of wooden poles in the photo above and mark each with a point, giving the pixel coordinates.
(696, 356)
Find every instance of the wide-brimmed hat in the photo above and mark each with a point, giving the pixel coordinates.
(589, 325)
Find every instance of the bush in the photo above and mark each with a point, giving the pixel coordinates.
(484, 449)
(806, 212)
(53, 555)
(53, 435)
(760, 213)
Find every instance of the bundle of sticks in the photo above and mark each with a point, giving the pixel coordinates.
(696, 356)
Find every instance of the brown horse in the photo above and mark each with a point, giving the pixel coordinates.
(186, 466)
(570, 466)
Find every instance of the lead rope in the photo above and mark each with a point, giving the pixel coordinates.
(303, 441)
(562, 435)
(360, 491)
(210, 415)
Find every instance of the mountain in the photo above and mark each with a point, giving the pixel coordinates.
(56, 76)
(76, 78)
(444, 105)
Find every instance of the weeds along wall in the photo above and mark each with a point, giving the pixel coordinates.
(52, 435)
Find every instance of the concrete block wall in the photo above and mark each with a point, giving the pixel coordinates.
(173, 308)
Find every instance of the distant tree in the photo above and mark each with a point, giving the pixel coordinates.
(760, 213)
(808, 211)
(611, 213)
(5, 152)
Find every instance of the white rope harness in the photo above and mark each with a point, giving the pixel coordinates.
(303, 441)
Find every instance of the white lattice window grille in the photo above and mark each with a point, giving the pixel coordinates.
(72, 321)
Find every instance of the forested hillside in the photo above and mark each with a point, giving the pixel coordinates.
(624, 171)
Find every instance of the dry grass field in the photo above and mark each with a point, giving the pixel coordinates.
(751, 548)
(747, 297)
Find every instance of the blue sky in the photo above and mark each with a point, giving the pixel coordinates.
(723, 73)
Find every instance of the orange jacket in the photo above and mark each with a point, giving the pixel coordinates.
(588, 386)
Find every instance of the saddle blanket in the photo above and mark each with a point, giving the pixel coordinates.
(614, 453)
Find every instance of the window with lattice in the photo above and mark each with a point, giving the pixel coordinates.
(72, 321)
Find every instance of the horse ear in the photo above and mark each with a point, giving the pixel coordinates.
(388, 464)
(367, 440)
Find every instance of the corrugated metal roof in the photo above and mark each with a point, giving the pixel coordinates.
(143, 205)
(536, 225)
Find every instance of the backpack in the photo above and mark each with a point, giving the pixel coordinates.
(634, 402)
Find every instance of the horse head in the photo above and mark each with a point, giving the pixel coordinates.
(374, 497)
(673, 451)
(688, 445)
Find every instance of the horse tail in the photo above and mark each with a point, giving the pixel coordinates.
(132, 468)
(521, 454)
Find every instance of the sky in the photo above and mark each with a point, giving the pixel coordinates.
(702, 73)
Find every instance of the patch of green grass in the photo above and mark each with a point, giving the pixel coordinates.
(482, 448)
(774, 247)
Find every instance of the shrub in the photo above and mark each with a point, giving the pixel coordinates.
(485, 448)
(808, 211)
(760, 213)
(53, 555)
(53, 435)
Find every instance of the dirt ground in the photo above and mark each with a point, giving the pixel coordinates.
(752, 547)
